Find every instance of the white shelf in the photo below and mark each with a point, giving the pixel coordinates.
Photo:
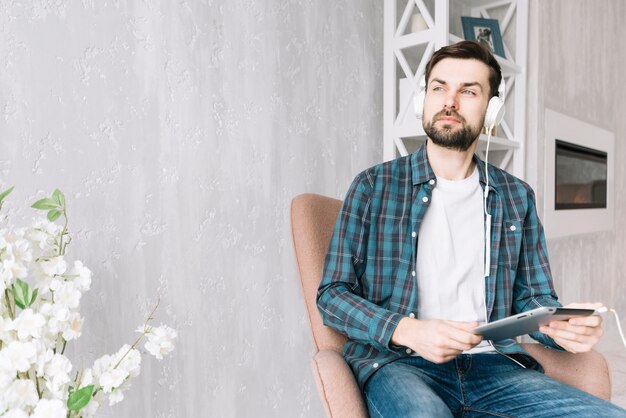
(400, 125)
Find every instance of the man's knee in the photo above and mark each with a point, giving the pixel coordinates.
(397, 391)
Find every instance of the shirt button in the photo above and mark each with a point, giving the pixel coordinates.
(431, 182)
(413, 273)
(375, 365)
(413, 234)
(424, 199)
(513, 228)
(408, 351)
(411, 315)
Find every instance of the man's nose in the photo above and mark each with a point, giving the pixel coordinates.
(451, 101)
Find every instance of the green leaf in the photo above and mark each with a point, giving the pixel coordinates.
(33, 298)
(21, 293)
(59, 197)
(79, 399)
(6, 193)
(54, 214)
(46, 204)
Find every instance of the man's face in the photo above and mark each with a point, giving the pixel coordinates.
(456, 99)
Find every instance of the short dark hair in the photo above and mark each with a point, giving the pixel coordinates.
(469, 50)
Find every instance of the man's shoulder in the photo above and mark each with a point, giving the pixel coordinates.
(386, 172)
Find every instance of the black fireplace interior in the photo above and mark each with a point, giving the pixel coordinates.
(581, 177)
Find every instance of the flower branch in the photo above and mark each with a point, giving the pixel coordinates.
(39, 316)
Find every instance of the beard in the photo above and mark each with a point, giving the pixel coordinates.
(446, 136)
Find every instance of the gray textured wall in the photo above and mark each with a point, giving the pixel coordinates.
(577, 53)
(179, 132)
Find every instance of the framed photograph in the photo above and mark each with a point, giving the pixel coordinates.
(485, 32)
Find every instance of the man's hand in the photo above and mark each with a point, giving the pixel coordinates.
(576, 335)
(436, 341)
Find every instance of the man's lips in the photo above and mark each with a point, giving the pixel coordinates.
(447, 119)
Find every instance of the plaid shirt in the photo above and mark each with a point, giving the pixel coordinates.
(369, 282)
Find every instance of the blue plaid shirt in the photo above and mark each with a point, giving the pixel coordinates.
(369, 282)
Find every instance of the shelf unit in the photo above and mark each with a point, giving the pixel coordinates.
(407, 50)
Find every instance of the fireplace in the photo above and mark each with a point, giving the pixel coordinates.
(578, 177)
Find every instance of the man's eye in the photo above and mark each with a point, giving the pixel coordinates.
(470, 92)
(437, 88)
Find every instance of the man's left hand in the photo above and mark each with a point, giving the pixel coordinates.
(576, 335)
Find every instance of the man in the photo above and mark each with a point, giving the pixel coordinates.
(406, 280)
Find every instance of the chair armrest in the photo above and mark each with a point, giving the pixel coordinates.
(588, 372)
(339, 391)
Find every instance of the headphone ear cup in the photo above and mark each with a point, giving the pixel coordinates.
(418, 104)
(495, 112)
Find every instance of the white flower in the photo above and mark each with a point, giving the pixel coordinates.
(116, 396)
(59, 365)
(90, 409)
(129, 360)
(100, 366)
(29, 324)
(50, 408)
(11, 270)
(7, 375)
(61, 313)
(82, 276)
(20, 394)
(54, 265)
(57, 373)
(74, 327)
(42, 235)
(66, 294)
(42, 281)
(57, 315)
(6, 330)
(18, 355)
(86, 378)
(44, 356)
(112, 379)
(21, 251)
(160, 340)
(111, 372)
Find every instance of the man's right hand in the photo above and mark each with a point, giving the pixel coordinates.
(436, 340)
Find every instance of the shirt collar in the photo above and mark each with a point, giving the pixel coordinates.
(421, 169)
(422, 172)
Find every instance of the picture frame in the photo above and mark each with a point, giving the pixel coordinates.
(484, 31)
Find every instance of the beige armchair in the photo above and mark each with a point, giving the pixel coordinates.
(312, 221)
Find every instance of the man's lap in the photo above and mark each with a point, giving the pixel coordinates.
(476, 386)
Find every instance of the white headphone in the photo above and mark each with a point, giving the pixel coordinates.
(493, 114)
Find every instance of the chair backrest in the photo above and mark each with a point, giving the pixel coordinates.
(313, 219)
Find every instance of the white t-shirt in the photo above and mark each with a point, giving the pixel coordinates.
(450, 254)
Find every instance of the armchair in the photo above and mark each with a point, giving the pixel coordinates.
(312, 221)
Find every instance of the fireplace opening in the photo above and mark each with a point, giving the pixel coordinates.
(580, 177)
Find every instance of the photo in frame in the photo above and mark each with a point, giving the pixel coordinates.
(485, 32)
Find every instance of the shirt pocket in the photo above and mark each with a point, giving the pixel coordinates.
(510, 243)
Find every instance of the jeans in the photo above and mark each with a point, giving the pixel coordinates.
(479, 385)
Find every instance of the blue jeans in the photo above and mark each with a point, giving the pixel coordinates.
(479, 385)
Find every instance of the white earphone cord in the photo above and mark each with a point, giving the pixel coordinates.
(489, 129)
(619, 326)
(487, 214)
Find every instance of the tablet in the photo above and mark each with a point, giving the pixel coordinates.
(527, 322)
